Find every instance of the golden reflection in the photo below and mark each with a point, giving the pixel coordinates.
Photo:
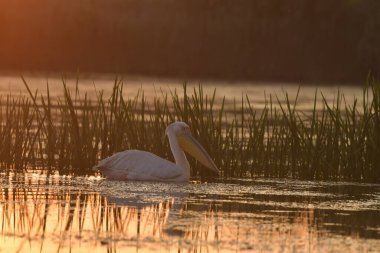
(51, 214)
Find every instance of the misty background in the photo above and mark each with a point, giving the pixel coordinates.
(275, 40)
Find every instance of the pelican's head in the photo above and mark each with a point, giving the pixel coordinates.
(191, 145)
(178, 128)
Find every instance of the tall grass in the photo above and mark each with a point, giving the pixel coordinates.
(71, 133)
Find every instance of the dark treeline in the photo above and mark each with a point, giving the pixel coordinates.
(294, 40)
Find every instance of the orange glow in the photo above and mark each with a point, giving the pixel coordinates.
(43, 214)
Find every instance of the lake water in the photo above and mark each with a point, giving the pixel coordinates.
(40, 213)
(58, 213)
(257, 92)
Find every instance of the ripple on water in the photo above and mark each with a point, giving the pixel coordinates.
(82, 213)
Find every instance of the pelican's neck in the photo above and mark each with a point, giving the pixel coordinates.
(179, 155)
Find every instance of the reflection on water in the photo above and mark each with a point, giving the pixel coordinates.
(258, 92)
(77, 214)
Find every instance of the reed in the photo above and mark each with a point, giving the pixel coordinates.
(71, 133)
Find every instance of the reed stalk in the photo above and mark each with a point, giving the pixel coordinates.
(71, 133)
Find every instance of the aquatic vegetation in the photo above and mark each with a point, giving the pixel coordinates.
(340, 141)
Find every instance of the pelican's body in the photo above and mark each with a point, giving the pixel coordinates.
(142, 165)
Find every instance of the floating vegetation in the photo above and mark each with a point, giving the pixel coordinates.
(339, 141)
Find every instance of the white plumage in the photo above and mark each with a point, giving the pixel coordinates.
(142, 165)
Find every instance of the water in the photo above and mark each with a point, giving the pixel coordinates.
(40, 213)
(58, 213)
(258, 92)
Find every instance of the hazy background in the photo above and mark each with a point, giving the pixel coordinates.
(274, 40)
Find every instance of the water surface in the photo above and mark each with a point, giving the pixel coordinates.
(257, 92)
(40, 213)
(57, 213)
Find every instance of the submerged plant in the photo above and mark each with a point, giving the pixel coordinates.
(71, 133)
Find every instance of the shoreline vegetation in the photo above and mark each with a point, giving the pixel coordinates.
(298, 41)
(70, 133)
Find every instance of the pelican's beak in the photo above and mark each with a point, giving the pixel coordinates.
(195, 149)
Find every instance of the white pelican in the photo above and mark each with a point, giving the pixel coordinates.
(141, 165)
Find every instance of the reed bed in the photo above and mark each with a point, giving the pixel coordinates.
(339, 141)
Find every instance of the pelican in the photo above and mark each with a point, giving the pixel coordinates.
(142, 165)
